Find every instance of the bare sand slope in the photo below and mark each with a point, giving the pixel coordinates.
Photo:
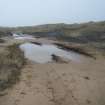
(59, 84)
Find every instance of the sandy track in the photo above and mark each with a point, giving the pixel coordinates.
(59, 84)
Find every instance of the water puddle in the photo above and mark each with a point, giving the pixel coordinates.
(43, 53)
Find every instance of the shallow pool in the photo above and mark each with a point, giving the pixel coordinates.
(42, 53)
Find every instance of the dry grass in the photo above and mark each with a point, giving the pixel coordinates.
(11, 62)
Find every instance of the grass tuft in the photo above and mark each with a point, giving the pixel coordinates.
(11, 61)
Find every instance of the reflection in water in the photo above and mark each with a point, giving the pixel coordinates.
(42, 54)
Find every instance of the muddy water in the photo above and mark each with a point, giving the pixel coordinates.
(42, 53)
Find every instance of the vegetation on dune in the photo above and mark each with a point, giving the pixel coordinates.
(78, 33)
(92, 33)
(11, 62)
(2, 41)
(5, 32)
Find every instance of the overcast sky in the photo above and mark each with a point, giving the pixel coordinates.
(34, 12)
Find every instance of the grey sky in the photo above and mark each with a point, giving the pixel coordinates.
(34, 12)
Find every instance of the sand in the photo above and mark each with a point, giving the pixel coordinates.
(59, 84)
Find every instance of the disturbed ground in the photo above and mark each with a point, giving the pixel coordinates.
(58, 84)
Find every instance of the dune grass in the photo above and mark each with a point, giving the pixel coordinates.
(11, 61)
(2, 41)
